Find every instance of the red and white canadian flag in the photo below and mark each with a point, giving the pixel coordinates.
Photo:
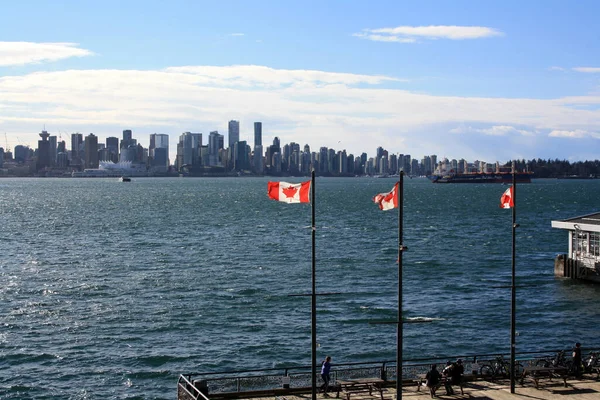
(389, 200)
(289, 192)
(506, 201)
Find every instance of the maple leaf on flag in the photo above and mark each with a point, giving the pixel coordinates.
(289, 191)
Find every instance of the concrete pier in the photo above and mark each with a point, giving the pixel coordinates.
(584, 389)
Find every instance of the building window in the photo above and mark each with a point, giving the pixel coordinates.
(580, 244)
(595, 244)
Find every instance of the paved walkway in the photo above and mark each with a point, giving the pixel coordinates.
(482, 390)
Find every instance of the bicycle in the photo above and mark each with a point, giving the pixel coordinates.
(591, 362)
(499, 367)
(559, 360)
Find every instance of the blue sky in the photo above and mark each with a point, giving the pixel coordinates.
(461, 79)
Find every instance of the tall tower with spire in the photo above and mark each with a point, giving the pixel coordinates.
(43, 151)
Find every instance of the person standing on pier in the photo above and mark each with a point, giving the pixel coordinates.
(458, 370)
(325, 367)
(577, 360)
(447, 373)
(432, 380)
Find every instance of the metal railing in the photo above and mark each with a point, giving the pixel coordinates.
(201, 386)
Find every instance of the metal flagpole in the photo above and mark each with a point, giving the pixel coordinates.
(513, 284)
(314, 294)
(400, 323)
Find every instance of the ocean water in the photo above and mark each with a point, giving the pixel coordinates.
(110, 290)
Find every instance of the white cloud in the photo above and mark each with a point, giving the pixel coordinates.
(237, 34)
(495, 130)
(339, 110)
(576, 134)
(256, 76)
(21, 53)
(555, 68)
(410, 34)
(589, 70)
(384, 38)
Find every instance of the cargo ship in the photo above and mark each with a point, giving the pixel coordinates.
(481, 177)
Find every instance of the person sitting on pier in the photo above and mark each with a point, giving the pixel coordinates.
(432, 380)
(325, 367)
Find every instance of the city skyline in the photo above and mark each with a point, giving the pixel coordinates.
(476, 80)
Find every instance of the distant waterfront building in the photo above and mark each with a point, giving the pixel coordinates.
(393, 167)
(62, 159)
(383, 165)
(76, 145)
(241, 158)
(43, 158)
(343, 162)
(52, 150)
(258, 134)
(214, 141)
(323, 167)
(127, 138)
(427, 168)
(276, 163)
(91, 151)
(21, 153)
(1, 157)
(258, 162)
(233, 133)
(434, 162)
(112, 148)
(61, 147)
(158, 150)
(414, 167)
(331, 161)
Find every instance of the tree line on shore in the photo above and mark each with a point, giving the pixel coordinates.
(562, 168)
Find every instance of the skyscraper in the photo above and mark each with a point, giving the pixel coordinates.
(43, 156)
(112, 147)
(214, 144)
(258, 134)
(159, 141)
(233, 133)
(91, 151)
(127, 140)
(76, 142)
(52, 150)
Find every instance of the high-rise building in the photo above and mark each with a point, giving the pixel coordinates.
(52, 151)
(434, 162)
(189, 149)
(233, 133)
(43, 151)
(258, 134)
(112, 148)
(127, 141)
(91, 151)
(215, 143)
(258, 160)
(241, 159)
(76, 144)
(1, 157)
(159, 141)
(323, 166)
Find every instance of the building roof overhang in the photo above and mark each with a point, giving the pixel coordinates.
(588, 223)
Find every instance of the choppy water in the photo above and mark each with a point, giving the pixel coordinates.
(111, 290)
